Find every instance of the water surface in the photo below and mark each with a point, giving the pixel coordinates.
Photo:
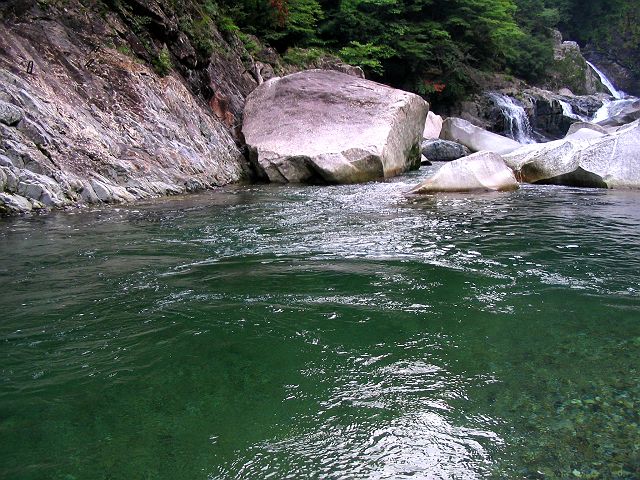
(324, 332)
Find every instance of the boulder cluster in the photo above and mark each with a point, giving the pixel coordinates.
(596, 155)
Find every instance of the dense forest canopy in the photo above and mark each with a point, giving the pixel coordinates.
(433, 47)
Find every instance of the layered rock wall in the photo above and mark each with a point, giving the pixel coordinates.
(84, 119)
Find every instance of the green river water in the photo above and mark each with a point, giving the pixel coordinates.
(341, 332)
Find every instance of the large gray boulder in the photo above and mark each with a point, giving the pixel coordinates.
(326, 126)
(482, 171)
(437, 150)
(608, 161)
(475, 138)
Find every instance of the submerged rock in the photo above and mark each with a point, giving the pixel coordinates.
(443, 150)
(476, 138)
(482, 171)
(329, 127)
(606, 161)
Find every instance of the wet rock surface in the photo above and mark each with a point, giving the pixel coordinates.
(482, 171)
(599, 161)
(437, 150)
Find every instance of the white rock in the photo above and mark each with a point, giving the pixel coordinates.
(608, 161)
(432, 127)
(475, 138)
(482, 171)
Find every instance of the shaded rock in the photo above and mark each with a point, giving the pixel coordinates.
(476, 138)
(433, 126)
(438, 150)
(482, 171)
(10, 114)
(611, 161)
(569, 70)
(329, 127)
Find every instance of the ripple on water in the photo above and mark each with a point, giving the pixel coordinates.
(337, 332)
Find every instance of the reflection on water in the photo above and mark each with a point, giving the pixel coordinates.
(324, 332)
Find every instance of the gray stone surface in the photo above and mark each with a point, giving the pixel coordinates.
(476, 138)
(582, 125)
(116, 126)
(607, 161)
(438, 150)
(10, 114)
(482, 171)
(329, 127)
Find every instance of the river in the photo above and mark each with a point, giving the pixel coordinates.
(338, 332)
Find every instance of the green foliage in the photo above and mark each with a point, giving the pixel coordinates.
(162, 63)
(612, 27)
(249, 43)
(125, 50)
(424, 44)
(366, 55)
(199, 32)
(301, 22)
(303, 57)
(227, 25)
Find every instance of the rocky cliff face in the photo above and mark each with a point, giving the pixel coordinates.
(570, 70)
(103, 103)
(621, 65)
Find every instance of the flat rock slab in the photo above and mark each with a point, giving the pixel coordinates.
(480, 172)
(321, 126)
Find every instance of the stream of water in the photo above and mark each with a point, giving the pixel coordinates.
(324, 332)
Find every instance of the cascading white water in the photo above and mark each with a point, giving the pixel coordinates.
(518, 125)
(610, 108)
(567, 111)
(617, 94)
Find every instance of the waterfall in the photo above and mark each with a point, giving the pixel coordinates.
(518, 126)
(567, 111)
(617, 94)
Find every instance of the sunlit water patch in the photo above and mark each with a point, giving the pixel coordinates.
(324, 332)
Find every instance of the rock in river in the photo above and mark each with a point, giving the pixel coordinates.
(321, 126)
(608, 161)
(476, 138)
(482, 171)
(437, 150)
